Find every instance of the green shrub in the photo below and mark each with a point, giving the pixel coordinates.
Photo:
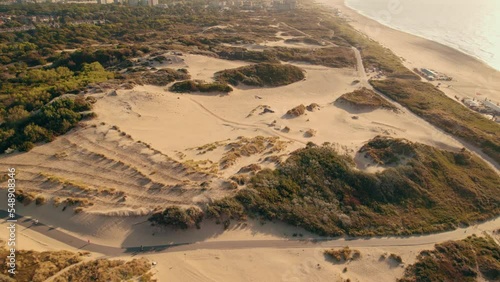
(188, 86)
(461, 260)
(178, 218)
(263, 74)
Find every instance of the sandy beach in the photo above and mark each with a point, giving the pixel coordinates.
(470, 75)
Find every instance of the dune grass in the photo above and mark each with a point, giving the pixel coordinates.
(342, 255)
(37, 266)
(465, 260)
(430, 103)
(318, 189)
(188, 86)
(263, 74)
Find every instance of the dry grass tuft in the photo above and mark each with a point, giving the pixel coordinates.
(297, 111)
(342, 255)
(108, 270)
(38, 266)
(246, 147)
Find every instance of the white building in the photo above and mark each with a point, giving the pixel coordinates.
(490, 105)
(143, 2)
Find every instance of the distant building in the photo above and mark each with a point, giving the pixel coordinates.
(471, 103)
(143, 2)
(284, 5)
(429, 74)
(81, 2)
(490, 105)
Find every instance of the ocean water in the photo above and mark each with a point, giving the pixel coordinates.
(470, 26)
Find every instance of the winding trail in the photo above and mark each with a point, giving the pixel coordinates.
(319, 242)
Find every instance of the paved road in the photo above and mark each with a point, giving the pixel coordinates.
(245, 244)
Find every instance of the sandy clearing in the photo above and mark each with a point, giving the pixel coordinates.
(174, 122)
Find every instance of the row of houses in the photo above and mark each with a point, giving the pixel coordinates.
(279, 5)
(432, 74)
(485, 106)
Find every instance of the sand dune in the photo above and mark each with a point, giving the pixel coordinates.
(149, 148)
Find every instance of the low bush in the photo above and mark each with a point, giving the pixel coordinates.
(342, 255)
(188, 86)
(178, 217)
(296, 111)
(263, 74)
(396, 258)
(464, 260)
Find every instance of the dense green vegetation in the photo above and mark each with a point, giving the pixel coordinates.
(342, 255)
(365, 99)
(31, 107)
(263, 74)
(465, 261)
(106, 56)
(428, 191)
(433, 105)
(335, 57)
(188, 86)
(178, 218)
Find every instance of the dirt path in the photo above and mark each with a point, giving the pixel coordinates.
(319, 242)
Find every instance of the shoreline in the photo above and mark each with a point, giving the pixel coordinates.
(471, 77)
(452, 46)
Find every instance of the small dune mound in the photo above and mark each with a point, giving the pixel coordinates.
(312, 107)
(264, 74)
(388, 151)
(297, 111)
(188, 86)
(365, 99)
(310, 133)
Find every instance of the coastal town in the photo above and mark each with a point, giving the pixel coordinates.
(277, 5)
